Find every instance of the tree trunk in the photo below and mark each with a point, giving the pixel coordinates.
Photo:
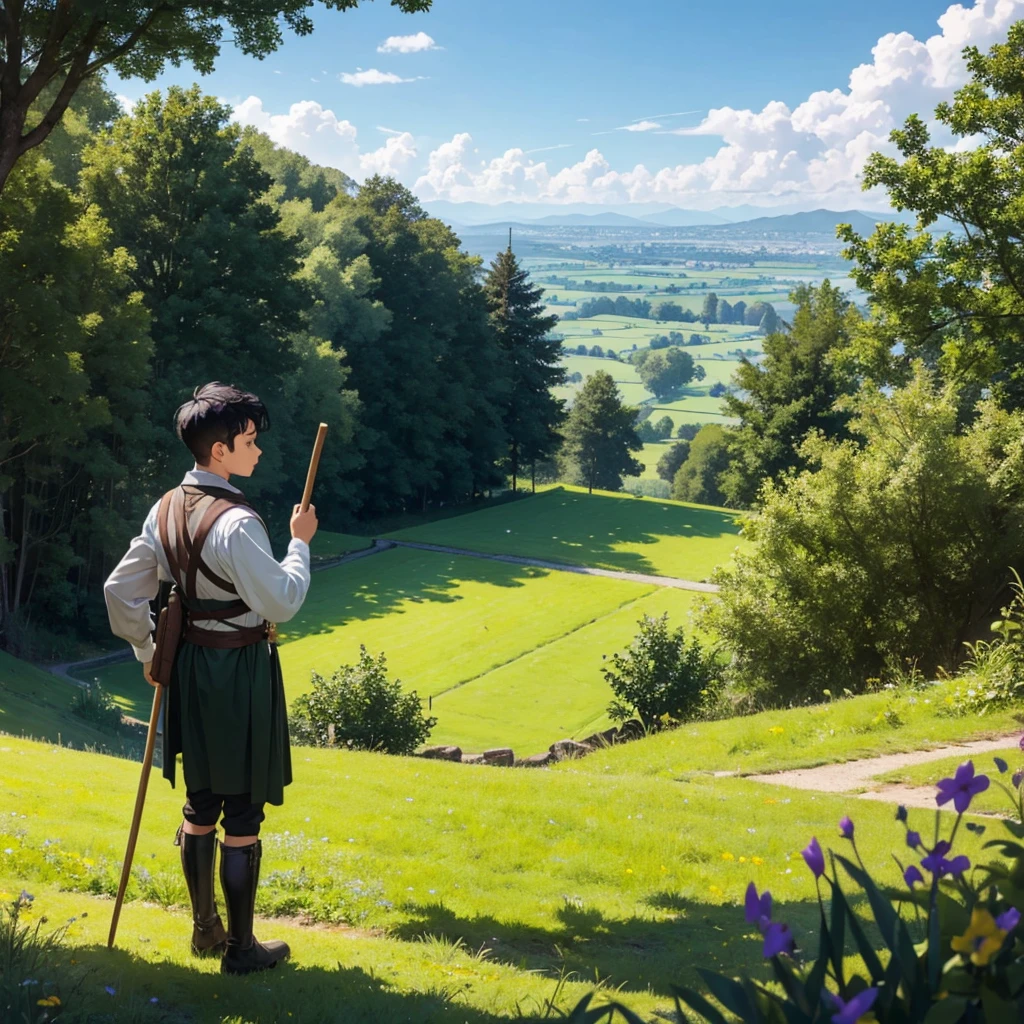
(533, 477)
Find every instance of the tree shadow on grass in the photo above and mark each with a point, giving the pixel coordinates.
(289, 992)
(634, 954)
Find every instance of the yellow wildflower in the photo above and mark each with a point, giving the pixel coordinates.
(629, 871)
(770, 800)
(728, 856)
(983, 938)
(776, 730)
(743, 860)
(48, 1001)
(757, 860)
(88, 863)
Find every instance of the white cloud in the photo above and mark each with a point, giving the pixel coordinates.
(372, 77)
(408, 44)
(815, 150)
(127, 104)
(317, 133)
(639, 126)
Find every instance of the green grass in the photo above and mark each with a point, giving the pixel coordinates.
(36, 703)
(840, 730)
(331, 545)
(516, 704)
(633, 878)
(605, 530)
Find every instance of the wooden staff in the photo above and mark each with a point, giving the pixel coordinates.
(147, 760)
(313, 463)
(140, 799)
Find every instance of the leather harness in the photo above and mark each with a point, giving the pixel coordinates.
(185, 561)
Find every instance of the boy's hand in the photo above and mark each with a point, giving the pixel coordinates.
(146, 670)
(304, 524)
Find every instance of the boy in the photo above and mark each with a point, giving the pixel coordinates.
(225, 709)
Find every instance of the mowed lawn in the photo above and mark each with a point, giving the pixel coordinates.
(635, 878)
(497, 640)
(606, 530)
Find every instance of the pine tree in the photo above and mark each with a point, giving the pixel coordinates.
(600, 433)
(532, 413)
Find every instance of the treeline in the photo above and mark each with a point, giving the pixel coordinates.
(144, 255)
(714, 311)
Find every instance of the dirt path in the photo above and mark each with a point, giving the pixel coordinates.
(849, 776)
(636, 577)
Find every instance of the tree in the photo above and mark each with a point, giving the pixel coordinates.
(718, 389)
(687, 431)
(698, 478)
(184, 199)
(769, 322)
(709, 311)
(955, 300)
(755, 313)
(895, 545)
(725, 312)
(60, 45)
(532, 414)
(600, 434)
(665, 371)
(663, 428)
(739, 312)
(791, 391)
(74, 365)
(670, 462)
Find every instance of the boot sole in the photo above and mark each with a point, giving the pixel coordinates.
(224, 969)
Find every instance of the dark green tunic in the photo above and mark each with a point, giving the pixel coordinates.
(226, 716)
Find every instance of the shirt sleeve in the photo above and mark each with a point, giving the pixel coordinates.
(270, 588)
(128, 591)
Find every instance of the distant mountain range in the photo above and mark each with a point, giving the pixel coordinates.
(804, 222)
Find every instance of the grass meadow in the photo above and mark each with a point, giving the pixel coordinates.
(628, 866)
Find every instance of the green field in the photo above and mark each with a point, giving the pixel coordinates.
(484, 638)
(629, 865)
(566, 524)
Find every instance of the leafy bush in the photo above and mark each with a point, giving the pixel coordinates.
(993, 674)
(360, 708)
(95, 705)
(662, 678)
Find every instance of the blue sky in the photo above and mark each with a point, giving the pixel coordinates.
(559, 79)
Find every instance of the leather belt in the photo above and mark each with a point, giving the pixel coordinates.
(240, 636)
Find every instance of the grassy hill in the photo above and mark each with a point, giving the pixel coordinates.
(629, 865)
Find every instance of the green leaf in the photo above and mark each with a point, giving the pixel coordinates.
(730, 994)
(946, 1011)
(698, 1004)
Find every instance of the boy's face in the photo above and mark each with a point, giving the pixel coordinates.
(242, 461)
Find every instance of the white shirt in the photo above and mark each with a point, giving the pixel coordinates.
(237, 548)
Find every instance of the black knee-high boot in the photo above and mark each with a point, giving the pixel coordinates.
(197, 854)
(239, 876)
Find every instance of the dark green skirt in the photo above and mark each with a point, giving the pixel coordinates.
(226, 716)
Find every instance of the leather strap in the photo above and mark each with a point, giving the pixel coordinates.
(213, 512)
(240, 636)
(162, 514)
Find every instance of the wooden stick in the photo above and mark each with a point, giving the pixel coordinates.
(314, 461)
(140, 799)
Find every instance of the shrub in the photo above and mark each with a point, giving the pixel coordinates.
(662, 678)
(92, 703)
(360, 708)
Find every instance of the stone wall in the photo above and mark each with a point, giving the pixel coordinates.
(561, 750)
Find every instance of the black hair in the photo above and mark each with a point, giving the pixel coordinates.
(217, 412)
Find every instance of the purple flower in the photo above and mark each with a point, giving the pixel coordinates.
(962, 788)
(777, 939)
(110, 990)
(913, 839)
(814, 858)
(1009, 920)
(937, 864)
(1001, 765)
(846, 827)
(850, 1012)
(1021, 744)
(1017, 777)
(758, 908)
(901, 813)
(912, 875)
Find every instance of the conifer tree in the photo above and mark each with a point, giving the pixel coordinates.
(532, 413)
(600, 433)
